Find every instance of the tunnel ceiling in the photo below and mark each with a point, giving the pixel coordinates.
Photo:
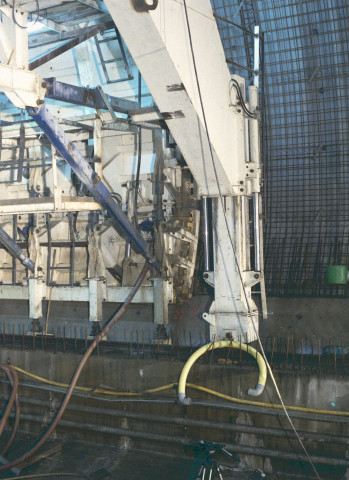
(305, 102)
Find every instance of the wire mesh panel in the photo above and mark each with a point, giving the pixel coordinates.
(305, 135)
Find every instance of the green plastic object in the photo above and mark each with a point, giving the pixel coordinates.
(337, 275)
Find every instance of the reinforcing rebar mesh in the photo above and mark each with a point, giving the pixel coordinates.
(305, 134)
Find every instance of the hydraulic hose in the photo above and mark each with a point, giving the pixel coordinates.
(13, 400)
(255, 392)
(77, 373)
(13, 378)
(114, 393)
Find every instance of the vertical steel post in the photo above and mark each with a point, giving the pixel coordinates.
(256, 63)
(257, 252)
(206, 234)
(128, 250)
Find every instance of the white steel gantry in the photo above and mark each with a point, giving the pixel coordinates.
(178, 50)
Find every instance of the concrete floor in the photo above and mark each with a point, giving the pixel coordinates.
(100, 462)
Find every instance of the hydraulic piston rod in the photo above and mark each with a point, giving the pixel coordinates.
(257, 254)
(15, 250)
(206, 233)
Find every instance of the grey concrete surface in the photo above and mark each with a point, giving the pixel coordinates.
(310, 390)
(319, 318)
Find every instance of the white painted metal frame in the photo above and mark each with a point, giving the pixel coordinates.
(22, 87)
(80, 294)
(160, 45)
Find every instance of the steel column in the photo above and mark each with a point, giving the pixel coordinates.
(206, 234)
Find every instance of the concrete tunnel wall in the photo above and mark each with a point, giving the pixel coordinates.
(310, 390)
(320, 318)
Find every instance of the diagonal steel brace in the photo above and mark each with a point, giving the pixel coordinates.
(89, 177)
(12, 247)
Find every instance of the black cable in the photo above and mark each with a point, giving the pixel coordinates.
(14, 16)
(232, 243)
(236, 85)
(37, 12)
(67, 396)
(139, 160)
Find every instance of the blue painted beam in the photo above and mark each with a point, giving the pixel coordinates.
(87, 97)
(89, 177)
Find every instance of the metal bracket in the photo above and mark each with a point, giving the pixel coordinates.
(143, 6)
(210, 318)
(209, 278)
(251, 278)
(252, 170)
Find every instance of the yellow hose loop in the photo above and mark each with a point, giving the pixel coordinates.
(223, 344)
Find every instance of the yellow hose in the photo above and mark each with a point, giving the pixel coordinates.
(189, 385)
(223, 344)
(93, 390)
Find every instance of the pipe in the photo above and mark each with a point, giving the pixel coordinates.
(237, 404)
(222, 344)
(156, 437)
(128, 250)
(77, 373)
(255, 158)
(257, 253)
(206, 234)
(188, 422)
(15, 251)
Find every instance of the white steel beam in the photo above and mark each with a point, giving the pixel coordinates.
(24, 88)
(47, 205)
(77, 294)
(158, 41)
